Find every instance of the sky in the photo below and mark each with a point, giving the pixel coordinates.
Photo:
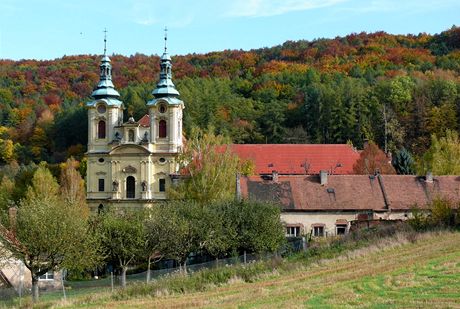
(49, 29)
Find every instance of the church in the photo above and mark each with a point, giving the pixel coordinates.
(131, 164)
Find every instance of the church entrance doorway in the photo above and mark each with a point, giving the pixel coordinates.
(130, 187)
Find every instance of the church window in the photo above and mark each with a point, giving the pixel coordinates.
(101, 160)
(162, 108)
(162, 185)
(162, 160)
(131, 135)
(101, 129)
(101, 185)
(162, 128)
(101, 108)
(130, 187)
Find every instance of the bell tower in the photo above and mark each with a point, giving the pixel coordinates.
(105, 113)
(165, 110)
(106, 110)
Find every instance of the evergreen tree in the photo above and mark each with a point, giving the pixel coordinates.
(403, 162)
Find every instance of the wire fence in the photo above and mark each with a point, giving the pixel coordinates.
(111, 281)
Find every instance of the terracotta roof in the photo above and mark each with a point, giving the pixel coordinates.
(404, 191)
(350, 192)
(299, 159)
(145, 121)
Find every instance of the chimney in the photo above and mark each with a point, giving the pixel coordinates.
(429, 177)
(12, 212)
(275, 176)
(323, 177)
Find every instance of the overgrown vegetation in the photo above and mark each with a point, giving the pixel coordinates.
(440, 213)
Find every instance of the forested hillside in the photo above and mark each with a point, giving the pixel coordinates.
(321, 91)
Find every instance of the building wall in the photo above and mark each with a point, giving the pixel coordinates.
(306, 220)
(15, 272)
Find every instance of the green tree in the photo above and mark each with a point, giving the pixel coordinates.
(211, 168)
(72, 186)
(259, 226)
(122, 237)
(183, 223)
(158, 231)
(403, 162)
(443, 156)
(49, 234)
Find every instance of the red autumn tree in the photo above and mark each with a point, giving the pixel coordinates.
(371, 160)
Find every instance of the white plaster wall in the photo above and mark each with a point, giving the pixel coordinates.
(307, 219)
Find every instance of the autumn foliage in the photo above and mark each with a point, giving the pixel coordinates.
(373, 160)
(328, 90)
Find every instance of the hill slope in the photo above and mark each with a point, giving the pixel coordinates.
(422, 274)
(320, 91)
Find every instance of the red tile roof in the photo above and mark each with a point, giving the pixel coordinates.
(145, 121)
(299, 159)
(350, 192)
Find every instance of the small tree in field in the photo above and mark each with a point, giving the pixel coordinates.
(373, 159)
(158, 232)
(184, 230)
(122, 237)
(48, 233)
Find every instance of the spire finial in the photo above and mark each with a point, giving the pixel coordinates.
(166, 37)
(105, 41)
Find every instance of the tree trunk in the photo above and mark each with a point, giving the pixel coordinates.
(148, 270)
(123, 276)
(34, 288)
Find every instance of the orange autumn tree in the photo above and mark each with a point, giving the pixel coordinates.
(371, 160)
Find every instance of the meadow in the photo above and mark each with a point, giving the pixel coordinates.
(420, 271)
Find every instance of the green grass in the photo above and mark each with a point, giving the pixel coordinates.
(400, 271)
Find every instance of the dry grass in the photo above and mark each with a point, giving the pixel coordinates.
(391, 273)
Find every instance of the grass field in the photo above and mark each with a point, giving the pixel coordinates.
(391, 273)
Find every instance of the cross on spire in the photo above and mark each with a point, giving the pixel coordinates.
(105, 41)
(166, 37)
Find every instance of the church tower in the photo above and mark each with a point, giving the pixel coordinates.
(131, 164)
(165, 110)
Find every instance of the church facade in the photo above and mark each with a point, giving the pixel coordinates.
(132, 163)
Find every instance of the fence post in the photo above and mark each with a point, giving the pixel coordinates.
(244, 257)
(21, 281)
(111, 280)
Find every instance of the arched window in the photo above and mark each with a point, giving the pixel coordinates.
(130, 187)
(162, 129)
(101, 129)
(131, 136)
